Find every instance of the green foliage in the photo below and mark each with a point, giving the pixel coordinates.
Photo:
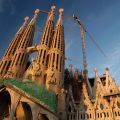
(33, 89)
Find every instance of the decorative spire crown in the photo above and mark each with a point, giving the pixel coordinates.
(60, 16)
(53, 8)
(61, 10)
(25, 20)
(35, 16)
(37, 11)
(23, 25)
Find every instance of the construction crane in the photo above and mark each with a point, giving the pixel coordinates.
(82, 30)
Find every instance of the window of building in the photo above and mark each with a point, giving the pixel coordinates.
(98, 115)
(101, 106)
(53, 60)
(44, 57)
(90, 116)
(47, 60)
(115, 113)
(8, 65)
(118, 113)
(81, 116)
(57, 61)
(60, 63)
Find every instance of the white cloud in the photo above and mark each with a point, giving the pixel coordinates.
(9, 3)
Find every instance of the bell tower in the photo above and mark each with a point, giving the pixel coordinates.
(37, 69)
(55, 70)
(8, 57)
(20, 59)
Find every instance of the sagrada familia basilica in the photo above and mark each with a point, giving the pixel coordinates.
(43, 89)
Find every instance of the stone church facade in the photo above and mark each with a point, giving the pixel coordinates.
(43, 89)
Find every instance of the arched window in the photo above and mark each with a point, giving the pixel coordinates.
(5, 103)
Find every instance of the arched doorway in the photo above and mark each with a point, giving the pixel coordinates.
(23, 112)
(5, 103)
(42, 117)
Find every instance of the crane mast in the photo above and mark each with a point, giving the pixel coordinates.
(82, 30)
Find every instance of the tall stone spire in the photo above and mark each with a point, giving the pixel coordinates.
(46, 37)
(7, 58)
(20, 59)
(38, 66)
(55, 71)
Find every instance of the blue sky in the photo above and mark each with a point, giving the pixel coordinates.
(100, 17)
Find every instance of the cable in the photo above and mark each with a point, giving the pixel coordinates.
(89, 35)
(100, 49)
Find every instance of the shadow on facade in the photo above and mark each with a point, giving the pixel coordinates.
(23, 112)
(5, 102)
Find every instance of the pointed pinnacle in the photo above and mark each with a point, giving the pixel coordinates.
(61, 10)
(25, 20)
(53, 8)
(37, 11)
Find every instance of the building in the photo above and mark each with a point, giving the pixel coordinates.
(44, 89)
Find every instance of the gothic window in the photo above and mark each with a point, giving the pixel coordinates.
(87, 116)
(84, 116)
(101, 115)
(69, 109)
(118, 113)
(60, 63)
(50, 60)
(90, 116)
(98, 115)
(101, 106)
(8, 65)
(115, 113)
(81, 116)
(53, 59)
(41, 53)
(47, 60)
(14, 49)
(111, 91)
(57, 61)
(107, 114)
(104, 114)
(44, 57)
(59, 41)
(45, 76)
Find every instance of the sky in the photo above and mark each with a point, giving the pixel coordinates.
(100, 17)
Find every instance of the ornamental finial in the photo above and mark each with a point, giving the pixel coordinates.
(25, 20)
(95, 70)
(107, 69)
(37, 11)
(53, 8)
(61, 10)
